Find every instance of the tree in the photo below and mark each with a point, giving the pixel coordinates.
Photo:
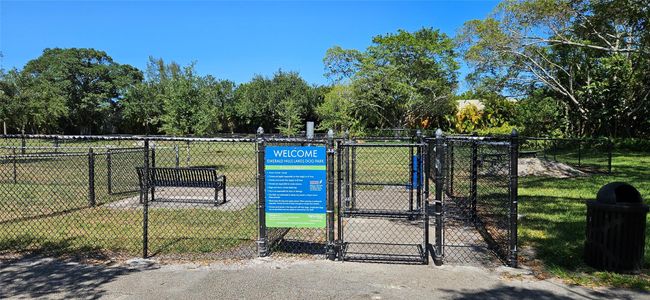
(216, 106)
(175, 100)
(540, 115)
(281, 102)
(576, 50)
(28, 104)
(183, 103)
(89, 80)
(402, 80)
(337, 111)
(142, 108)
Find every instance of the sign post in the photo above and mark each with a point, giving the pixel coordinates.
(295, 192)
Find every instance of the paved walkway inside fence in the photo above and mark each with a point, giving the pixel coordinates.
(280, 278)
(239, 197)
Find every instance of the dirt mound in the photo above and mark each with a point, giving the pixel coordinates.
(538, 167)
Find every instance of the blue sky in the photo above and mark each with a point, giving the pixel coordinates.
(230, 40)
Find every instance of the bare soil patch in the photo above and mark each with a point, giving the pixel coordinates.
(534, 166)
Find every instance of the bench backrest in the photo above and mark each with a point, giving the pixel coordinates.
(181, 177)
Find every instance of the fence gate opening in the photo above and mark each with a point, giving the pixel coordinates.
(476, 200)
(381, 201)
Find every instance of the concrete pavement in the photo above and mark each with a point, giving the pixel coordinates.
(280, 278)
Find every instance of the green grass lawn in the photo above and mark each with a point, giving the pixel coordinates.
(178, 231)
(554, 218)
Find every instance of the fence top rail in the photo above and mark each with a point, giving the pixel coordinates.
(157, 139)
(525, 138)
(379, 138)
(382, 145)
(109, 147)
(468, 138)
(44, 155)
(294, 140)
(125, 138)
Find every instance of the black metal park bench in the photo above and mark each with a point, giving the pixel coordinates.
(199, 177)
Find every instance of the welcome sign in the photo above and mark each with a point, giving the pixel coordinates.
(295, 191)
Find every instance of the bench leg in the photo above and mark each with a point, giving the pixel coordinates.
(224, 190)
(141, 195)
(216, 195)
(153, 193)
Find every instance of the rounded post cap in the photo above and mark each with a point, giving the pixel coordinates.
(514, 132)
(438, 132)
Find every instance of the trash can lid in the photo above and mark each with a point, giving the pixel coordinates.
(618, 192)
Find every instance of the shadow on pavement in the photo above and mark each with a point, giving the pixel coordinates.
(50, 277)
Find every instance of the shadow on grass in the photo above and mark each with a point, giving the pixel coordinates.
(35, 273)
(509, 292)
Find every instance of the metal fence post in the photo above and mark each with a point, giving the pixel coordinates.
(423, 180)
(56, 145)
(187, 151)
(331, 246)
(109, 171)
(579, 153)
(514, 161)
(473, 187)
(13, 150)
(339, 228)
(91, 177)
(554, 149)
(450, 167)
(439, 251)
(23, 144)
(262, 242)
(346, 176)
(153, 171)
(418, 170)
(353, 176)
(411, 182)
(610, 148)
(177, 156)
(145, 203)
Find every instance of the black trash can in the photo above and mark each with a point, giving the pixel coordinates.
(616, 224)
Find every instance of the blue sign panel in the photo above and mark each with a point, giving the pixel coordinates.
(295, 191)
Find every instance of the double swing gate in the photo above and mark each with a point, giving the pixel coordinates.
(405, 200)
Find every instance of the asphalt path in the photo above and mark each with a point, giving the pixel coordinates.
(279, 278)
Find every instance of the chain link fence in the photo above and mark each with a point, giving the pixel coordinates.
(479, 200)
(205, 198)
(382, 215)
(587, 155)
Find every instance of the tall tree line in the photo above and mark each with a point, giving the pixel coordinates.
(547, 67)
(83, 91)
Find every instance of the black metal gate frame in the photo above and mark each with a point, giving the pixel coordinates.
(346, 196)
(443, 154)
